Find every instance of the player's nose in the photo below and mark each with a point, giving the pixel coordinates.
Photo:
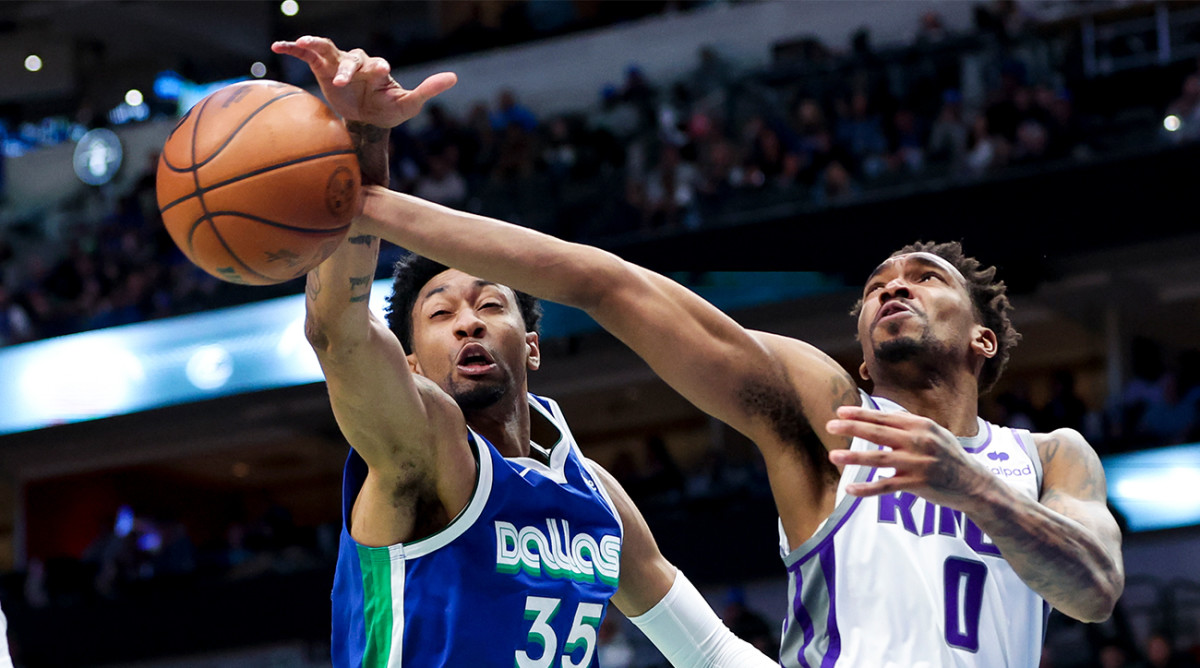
(895, 288)
(469, 325)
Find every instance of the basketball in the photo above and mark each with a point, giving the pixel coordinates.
(257, 183)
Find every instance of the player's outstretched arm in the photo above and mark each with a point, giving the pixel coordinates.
(419, 439)
(660, 601)
(725, 370)
(411, 434)
(1067, 547)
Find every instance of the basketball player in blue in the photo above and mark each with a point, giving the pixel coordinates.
(914, 533)
(475, 533)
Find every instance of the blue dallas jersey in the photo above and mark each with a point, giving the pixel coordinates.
(522, 577)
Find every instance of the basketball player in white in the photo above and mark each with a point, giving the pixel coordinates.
(915, 534)
(5, 659)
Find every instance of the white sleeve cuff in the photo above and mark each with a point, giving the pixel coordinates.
(690, 635)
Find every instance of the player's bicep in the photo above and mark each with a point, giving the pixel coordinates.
(391, 417)
(699, 351)
(1074, 484)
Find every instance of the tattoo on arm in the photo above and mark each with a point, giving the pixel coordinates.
(362, 240)
(844, 393)
(312, 286)
(371, 148)
(358, 282)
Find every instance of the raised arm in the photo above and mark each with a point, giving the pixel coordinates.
(1066, 546)
(411, 434)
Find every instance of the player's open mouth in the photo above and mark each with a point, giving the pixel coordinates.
(890, 309)
(474, 359)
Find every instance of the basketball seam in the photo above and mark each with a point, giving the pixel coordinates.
(204, 206)
(232, 134)
(278, 225)
(200, 192)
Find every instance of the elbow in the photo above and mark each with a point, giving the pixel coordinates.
(1101, 599)
(316, 333)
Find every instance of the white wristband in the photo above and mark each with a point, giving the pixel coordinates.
(687, 631)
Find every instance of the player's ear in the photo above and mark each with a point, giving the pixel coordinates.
(413, 365)
(533, 351)
(862, 371)
(985, 342)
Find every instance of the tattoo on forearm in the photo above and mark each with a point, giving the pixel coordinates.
(365, 132)
(371, 148)
(362, 240)
(359, 281)
(360, 298)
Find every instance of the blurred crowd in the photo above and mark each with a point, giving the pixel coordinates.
(816, 128)
(648, 158)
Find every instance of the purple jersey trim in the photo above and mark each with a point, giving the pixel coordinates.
(834, 649)
(801, 613)
(1025, 440)
(986, 442)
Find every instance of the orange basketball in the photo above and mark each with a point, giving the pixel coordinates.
(258, 182)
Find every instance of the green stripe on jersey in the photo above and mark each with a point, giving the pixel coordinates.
(376, 566)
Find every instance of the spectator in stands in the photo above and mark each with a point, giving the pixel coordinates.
(949, 135)
(907, 143)
(748, 624)
(835, 184)
(1145, 386)
(671, 188)
(930, 29)
(711, 81)
(659, 478)
(482, 145)
(443, 183)
(509, 112)
(560, 153)
(1170, 418)
(859, 131)
(769, 163)
(1064, 408)
(1161, 653)
(613, 649)
(720, 173)
(985, 151)
(642, 96)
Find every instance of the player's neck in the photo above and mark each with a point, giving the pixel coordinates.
(955, 406)
(504, 424)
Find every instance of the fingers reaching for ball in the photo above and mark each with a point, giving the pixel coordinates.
(360, 87)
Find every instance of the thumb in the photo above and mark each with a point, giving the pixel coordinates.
(435, 85)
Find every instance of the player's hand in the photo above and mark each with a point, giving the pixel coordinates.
(359, 87)
(927, 458)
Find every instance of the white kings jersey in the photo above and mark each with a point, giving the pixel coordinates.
(895, 580)
(5, 659)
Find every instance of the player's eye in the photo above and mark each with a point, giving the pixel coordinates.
(439, 313)
(930, 274)
(491, 305)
